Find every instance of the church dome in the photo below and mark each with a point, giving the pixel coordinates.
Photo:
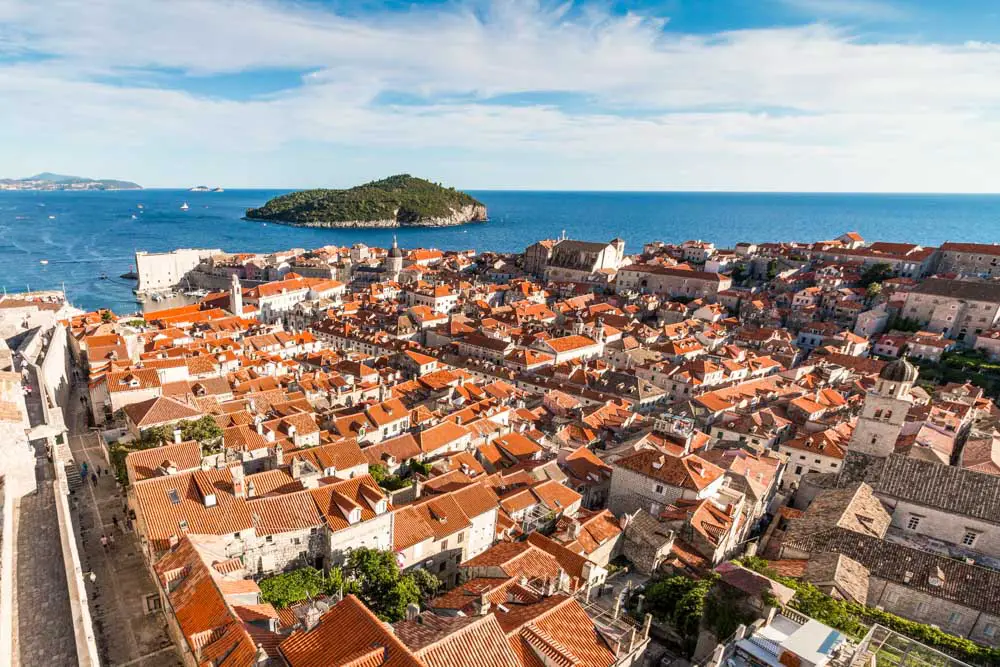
(899, 370)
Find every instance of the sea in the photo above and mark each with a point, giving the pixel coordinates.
(88, 239)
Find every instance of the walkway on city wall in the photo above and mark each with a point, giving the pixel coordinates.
(44, 632)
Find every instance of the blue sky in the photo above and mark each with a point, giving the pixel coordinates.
(778, 95)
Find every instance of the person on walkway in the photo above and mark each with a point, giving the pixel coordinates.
(97, 469)
(114, 520)
(83, 469)
(93, 478)
(128, 524)
(111, 541)
(104, 542)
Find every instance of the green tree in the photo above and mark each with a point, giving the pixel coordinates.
(739, 274)
(285, 589)
(204, 430)
(873, 291)
(427, 584)
(378, 472)
(876, 273)
(107, 316)
(772, 269)
(380, 584)
(419, 467)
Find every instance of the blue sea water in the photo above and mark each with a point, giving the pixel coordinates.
(85, 234)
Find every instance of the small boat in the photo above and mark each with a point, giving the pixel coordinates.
(52, 217)
(185, 206)
(43, 261)
(139, 207)
(134, 217)
(217, 190)
(103, 276)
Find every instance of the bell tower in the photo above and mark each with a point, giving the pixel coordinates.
(394, 263)
(884, 410)
(236, 297)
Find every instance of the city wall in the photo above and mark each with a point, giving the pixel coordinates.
(164, 270)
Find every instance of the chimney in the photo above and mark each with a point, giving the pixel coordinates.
(484, 603)
(279, 456)
(296, 468)
(239, 489)
(177, 436)
(251, 491)
(412, 611)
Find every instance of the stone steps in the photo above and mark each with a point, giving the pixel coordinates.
(73, 479)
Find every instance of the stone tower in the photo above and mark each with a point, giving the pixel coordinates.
(394, 263)
(236, 297)
(884, 410)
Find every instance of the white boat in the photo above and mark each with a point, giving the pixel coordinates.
(43, 261)
(139, 207)
(133, 217)
(185, 206)
(52, 217)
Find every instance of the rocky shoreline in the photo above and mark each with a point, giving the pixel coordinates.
(463, 216)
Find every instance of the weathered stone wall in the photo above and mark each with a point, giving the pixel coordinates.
(925, 608)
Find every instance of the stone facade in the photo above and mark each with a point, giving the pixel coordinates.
(631, 491)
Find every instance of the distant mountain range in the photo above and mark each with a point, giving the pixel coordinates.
(49, 181)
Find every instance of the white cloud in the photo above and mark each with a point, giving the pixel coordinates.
(795, 108)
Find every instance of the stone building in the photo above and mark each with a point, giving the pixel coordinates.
(651, 480)
(970, 258)
(672, 282)
(956, 308)
(579, 261)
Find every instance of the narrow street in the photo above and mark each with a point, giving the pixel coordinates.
(130, 629)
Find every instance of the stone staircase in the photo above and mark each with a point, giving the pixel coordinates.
(64, 455)
(73, 480)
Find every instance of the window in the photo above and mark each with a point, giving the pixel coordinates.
(296, 540)
(922, 608)
(990, 630)
(913, 522)
(154, 603)
(175, 498)
(969, 539)
(442, 566)
(658, 488)
(955, 618)
(444, 545)
(269, 539)
(183, 524)
(461, 537)
(798, 470)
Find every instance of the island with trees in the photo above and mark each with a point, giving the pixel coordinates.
(49, 181)
(397, 201)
